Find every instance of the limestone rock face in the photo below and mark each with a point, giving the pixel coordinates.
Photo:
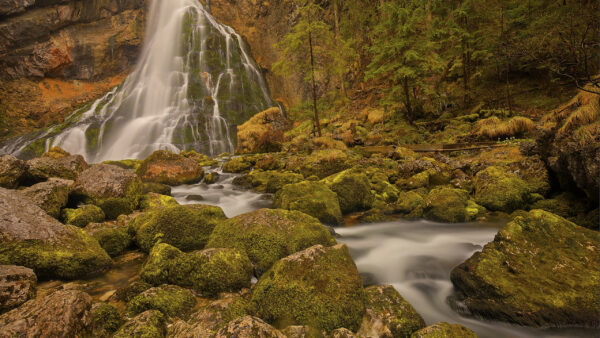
(17, 285)
(45, 167)
(63, 313)
(11, 171)
(51, 195)
(30, 237)
(168, 168)
(540, 270)
(262, 133)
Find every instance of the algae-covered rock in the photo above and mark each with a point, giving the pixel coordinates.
(237, 165)
(168, 168)
(149, 324)
(448, 205)
(17, 285)
(249, 326)
(201, 159)
(11, 171)
(272, 181)
(171, 300)
(498, 190)
(157, 188)
(409, 203)
(51, 195)
(388, 314)
(416, 181)
(211, 178)
(540, 270)
(64, 313)
(56, 164)
(444, 330)
(115, 190)
(266, 235)
(127, 292)
(312, 198)
(319, 287)
(30, 237)
(208, 271)
(106, 319)
(113, 238)
(322, 163)
(186, 227)
(263, 133)
(153, 200)
(83, 215)
(353, 190)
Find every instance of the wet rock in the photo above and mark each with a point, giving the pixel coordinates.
(409, 204)
(319, 287)
(263, 133)
(157, 188)
(353, 190)
(51, 195)
(56, 163)
(171, 300)
(106, 319)
(115, 190)
(11, 171)
(150, 323)
(540, 270)
(499, 190)
(153, 200)
(30, 237)
(444, 330)
(211, 178)
(388, 314)
(168, 168)
(196, 198)
(249, 326)
(59, 314)
(238, 165)
(113, 238)
(83, 215)
(17, 285)
(266, 235)
(272, 181)
(450, 205)
(312, 198)
(186, 227)
(128, 292)
(208, 271)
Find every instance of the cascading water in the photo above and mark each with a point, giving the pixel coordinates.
(195, 81)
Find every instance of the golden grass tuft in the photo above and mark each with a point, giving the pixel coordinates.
(493, 128)
(579, 117)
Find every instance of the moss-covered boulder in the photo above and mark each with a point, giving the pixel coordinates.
(169, 168)
(499, 190)
(388, 314)
(565, 205)
(416, 181)
(353, 190)
(444, 330)
(409, 204)
(115, 190)
(83, 215)
(201, 159)
(151, 324)
(266, 235)
(238, 165)
(186, 227)
(17, 285)
(55, 164)
(125, 164)
(321, 163)
(113, 238)
(31, 238)
(449, 205)
(153, 200)
(540, 270)
(249, 326)
(319, 287)
(106, 319)
(272, 181)
(129, 291)
(51, 195)
(211, 177)
(208, 271)
(157, 188)
(312, 198)
(263, 133)
(171, 300)
(12, 171)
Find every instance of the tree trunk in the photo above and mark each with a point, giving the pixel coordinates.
(314, 85)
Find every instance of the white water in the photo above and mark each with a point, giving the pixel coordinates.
(194, 82)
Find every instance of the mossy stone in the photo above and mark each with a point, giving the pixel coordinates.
(157, 188)
(125, 164)
(149, 324)
(312, 198)
(266, 235)
(499, 190)
(171, 300)
(272, 181)
(113, 238)
(169, 168)
(409, 203)
(237, 165)
(153, 200)
(448, 205)
(444, 330)
(83, 215)
(353, 190)
(106, 319)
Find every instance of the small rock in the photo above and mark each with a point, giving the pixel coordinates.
(11, 171)
(17, 285)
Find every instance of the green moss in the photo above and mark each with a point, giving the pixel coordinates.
(131, 290)
(171, 300)
(157, 188)
(267, 235)
(444, 330)
(149, 324)
(211, 178)
(353, 190)
(449, 205)
(416, 181)
(185, 227)
(272, 181)
(322, 163)
(153, 200)
(202, 159)
(410, 204)
(565, 205)
(82, 216)
(319, 287)
(237, 165)
(498, 190)
(125, 164)
(312, 198)
(114, 239)
(105, 318)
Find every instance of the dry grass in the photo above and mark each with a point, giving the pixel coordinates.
(493, 128)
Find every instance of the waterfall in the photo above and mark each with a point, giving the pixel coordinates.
(194, 82)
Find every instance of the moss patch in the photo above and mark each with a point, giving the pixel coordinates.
(312, 198)
(171, 300)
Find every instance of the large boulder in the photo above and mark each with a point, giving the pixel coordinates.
(171, 300)
(115, 190)
(540, 270)
(113, 238)
(186, 227)
(321, 163)
(353, 190)
(51, 195)
(83, 215)
(319, 287)
(106, 319)
(11, 171)
(168, 168)
(63, 313)
(56, 163)
(30, 237)
(151, 323)
(263, 133)
(312, 198)
(208, 271)
(271, 181)
(388, 314)
(249, 326)
(17, 285)
(153, 200)
(444, 330)
(450, 205)
(499, 190)
(266, 235)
